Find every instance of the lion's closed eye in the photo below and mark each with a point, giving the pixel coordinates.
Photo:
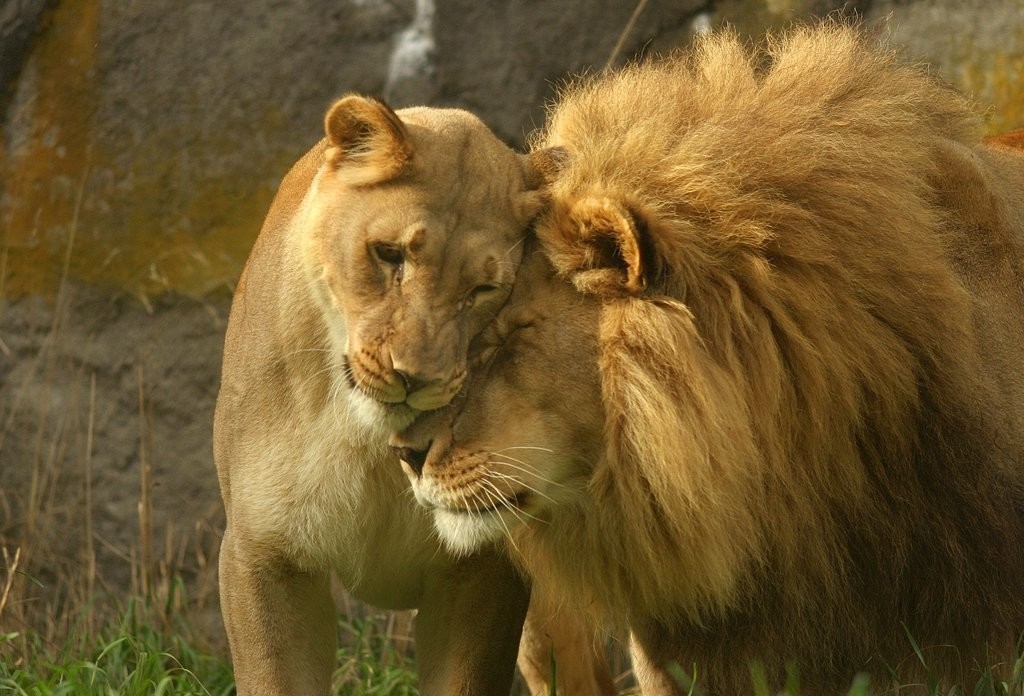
(481, 293)
(501, 338)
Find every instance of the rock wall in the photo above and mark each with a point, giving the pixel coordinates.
(142, 142)
(149, 137)
(155, 133)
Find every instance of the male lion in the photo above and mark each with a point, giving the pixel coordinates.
(771, 407)
(388, 247)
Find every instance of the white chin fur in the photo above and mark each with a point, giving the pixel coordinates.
(388, 418)
(465, 533)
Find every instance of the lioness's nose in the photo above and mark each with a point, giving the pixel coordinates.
(413, 457)
(412, 382)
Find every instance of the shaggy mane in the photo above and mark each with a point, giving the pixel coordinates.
(801, 423)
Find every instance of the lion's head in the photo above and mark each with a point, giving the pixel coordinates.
(741, 397)
(526, 438)
(412, 239)
(590, 409)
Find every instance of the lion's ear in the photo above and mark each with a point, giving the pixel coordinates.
(368, 142)
(599, 244)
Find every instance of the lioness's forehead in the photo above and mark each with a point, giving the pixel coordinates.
(452, 122)
(450, 242)
(424, 225)
(466, 253)
(457, 147)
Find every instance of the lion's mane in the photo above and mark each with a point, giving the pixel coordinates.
(815, 397)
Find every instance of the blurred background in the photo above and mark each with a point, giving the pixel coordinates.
(141, 144)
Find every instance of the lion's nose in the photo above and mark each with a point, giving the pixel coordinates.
(413, 457)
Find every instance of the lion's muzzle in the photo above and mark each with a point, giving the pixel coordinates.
(413, 458)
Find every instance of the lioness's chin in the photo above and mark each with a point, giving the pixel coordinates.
(464, 533)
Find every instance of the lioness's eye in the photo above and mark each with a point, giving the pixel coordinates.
(390, 254)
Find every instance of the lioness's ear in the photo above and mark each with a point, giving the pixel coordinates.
(368, 142)
(543, 165)
(598, 244)
(539, 168)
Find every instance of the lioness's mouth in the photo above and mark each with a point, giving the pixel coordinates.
(369, 390)
(346, 369)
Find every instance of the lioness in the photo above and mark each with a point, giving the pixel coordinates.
(762, 395)
(387, 248)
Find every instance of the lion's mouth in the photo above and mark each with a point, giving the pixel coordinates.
(512, 503)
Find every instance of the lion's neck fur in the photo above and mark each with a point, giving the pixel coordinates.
(801, 401)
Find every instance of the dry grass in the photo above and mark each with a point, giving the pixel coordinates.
(49, 594)
(72, 597)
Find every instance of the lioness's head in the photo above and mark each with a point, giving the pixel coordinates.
(412, 238)
(524, 442)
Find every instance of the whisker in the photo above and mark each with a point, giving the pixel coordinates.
(507, 477)
(470, 510)
(526, 469)
(309, 350)
(330, 370)
(343, 415)
(524, 484)
(511, 458)
(440, 543)
(515, 480)
(502, 501)
(517, 511)
(494, 503)
(518, 243)
(411, 494)
(524, 447)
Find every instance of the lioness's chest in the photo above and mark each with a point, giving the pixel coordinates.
(352, 511)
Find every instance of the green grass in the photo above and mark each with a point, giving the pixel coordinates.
(140, 652)
(132, 657)
(129, 656)
(987, 683)
(369, 661)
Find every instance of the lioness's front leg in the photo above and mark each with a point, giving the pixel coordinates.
(280, 623)
(468, 627)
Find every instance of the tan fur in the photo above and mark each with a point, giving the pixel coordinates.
(772, 406)
(389, 245)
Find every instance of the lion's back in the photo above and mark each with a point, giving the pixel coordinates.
(982, 191)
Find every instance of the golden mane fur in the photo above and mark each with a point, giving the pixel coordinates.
(802, 277)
